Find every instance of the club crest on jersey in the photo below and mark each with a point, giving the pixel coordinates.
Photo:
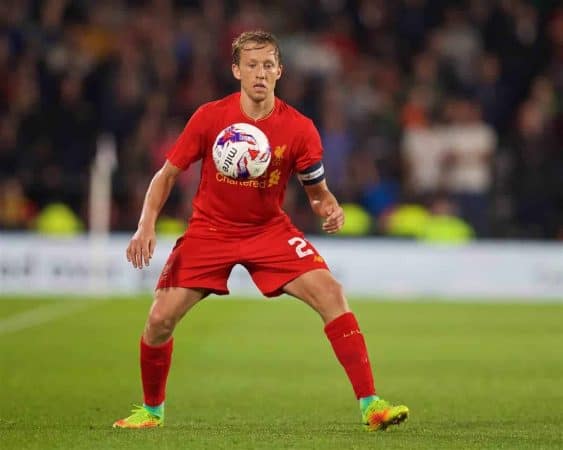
(279, 151)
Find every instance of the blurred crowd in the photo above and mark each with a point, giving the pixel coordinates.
(451, 106)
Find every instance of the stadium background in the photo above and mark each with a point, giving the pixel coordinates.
(455, 106)
(441, 122)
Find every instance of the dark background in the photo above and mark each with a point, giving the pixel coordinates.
(395, 88)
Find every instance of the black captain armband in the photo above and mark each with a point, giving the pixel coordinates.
(312, 174)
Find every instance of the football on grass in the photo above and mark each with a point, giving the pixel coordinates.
(241, 151)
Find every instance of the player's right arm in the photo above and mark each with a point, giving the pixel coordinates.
(143, 242)
(187, 149)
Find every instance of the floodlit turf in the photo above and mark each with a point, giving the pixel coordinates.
(260, 374)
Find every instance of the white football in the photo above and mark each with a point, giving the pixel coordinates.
(241, 151)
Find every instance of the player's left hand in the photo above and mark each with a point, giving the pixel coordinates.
(334, 219)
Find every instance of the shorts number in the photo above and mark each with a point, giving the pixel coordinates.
(300, 247)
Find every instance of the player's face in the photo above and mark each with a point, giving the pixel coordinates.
(258, 70)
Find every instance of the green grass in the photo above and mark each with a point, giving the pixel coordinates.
(260, 374)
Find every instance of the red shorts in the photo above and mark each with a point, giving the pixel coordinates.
(273, 258)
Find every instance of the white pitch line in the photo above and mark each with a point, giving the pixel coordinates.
(43, 314)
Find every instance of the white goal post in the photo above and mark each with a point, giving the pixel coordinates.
(102, 168)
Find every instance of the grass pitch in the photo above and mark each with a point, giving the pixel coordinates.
(260, 374)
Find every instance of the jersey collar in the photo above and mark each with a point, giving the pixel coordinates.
(276, 101)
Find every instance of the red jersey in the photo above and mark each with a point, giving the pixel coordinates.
(224, 203)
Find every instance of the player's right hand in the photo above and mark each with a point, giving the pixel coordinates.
(141, 247)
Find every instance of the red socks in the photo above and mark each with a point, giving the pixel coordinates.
(155, 364)
(350, 348)
(343, 333)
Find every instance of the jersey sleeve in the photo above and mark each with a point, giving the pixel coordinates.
(190, 145)
(311, 151)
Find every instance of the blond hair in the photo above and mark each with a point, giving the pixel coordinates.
(259, 37)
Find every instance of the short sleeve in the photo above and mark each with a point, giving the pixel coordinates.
(311, 151)
(189, 147)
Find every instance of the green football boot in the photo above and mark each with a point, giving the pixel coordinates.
(380, 414)
(141, 418)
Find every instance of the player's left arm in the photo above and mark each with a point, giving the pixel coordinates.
(311, 174)
(324, 204)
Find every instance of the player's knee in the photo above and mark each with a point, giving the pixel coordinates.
(339, 297)
(334, 298)
(159, 327)
(333, 290)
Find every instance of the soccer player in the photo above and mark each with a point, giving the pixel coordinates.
(243, 223)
